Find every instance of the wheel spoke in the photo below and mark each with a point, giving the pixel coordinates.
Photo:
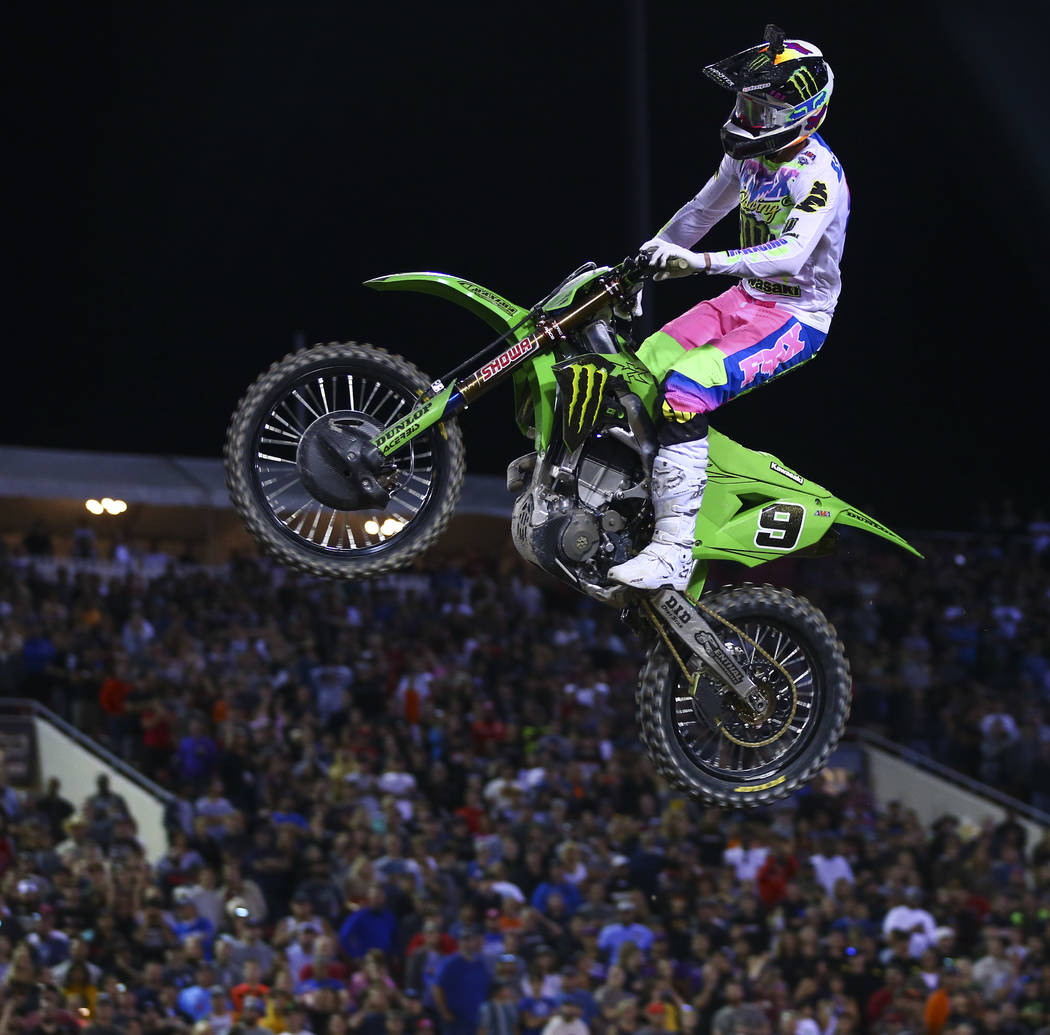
(291, 413)
(416, 495)
(280, 492)
(367, 402)
(299, 510)
(394, 412)
(284, 434)
(742, 750)
(282, 443)
(295, 392)
(328, 530)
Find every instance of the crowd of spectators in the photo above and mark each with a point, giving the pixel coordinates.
(420, 804)
(951, 654)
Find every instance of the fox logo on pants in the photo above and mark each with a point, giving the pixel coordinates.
(786, 347)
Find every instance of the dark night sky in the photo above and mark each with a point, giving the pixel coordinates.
(198, 184)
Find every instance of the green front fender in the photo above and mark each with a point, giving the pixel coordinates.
(495, 310)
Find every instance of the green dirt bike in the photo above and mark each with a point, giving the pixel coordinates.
(345, 461)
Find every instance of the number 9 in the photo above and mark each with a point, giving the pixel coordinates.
(779, 526)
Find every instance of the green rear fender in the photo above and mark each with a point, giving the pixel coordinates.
(495, 310)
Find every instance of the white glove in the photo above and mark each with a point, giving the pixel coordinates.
(671, 259)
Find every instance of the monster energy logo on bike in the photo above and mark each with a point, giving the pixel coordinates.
(583, 385)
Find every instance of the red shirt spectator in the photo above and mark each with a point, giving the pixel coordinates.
(773, 876)
(112, 695)
(488, 728)
(333, 969)
(446, 944)
(156, 729)
(245, 988)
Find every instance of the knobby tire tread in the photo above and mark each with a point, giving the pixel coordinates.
(257, 519)
(659, 676)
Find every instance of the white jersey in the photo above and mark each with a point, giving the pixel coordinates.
(792, 228)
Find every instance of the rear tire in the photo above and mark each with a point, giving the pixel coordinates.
(264, 472)
(690, 757)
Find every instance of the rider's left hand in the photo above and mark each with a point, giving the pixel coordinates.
(671, 259)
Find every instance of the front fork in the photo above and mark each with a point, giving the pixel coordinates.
(677, 621)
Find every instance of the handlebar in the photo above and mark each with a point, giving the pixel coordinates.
(637, 268)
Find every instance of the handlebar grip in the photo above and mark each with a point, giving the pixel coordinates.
(638, 266)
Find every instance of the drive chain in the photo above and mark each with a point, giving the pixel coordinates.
(691, 678)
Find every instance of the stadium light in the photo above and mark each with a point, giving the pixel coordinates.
(106, 506)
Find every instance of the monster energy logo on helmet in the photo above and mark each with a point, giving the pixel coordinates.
(804, 82)
(783, 88)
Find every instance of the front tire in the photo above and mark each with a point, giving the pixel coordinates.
(276, 495)
(750, 763)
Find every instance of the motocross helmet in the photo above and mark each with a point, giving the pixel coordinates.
(782, 91)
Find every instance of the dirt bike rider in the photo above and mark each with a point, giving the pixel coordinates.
(794, 205)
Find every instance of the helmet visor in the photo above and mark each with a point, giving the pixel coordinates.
(759, 114)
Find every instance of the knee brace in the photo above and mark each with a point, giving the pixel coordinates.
(675, 426)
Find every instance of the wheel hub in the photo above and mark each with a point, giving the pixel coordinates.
(340, 466)
(761, 701)
(739, 721)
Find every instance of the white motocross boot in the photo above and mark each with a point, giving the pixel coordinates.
(679, 477)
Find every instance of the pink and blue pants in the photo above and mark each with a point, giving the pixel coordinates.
(722, 348)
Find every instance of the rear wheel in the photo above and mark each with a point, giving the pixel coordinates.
(702, 742)
(296, 496)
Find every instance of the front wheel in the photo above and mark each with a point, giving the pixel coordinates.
(296, 496)
(702, 742)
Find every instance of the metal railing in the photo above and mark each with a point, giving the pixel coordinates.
(930, 765)
(26, 705)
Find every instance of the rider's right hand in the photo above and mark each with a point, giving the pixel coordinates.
(671, 259)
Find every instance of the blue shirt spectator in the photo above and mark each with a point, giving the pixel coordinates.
(37, 652)
(538, 1009)
(197, 754)
(570, 894)
(189, 923)
(373, 926)
(194, 1001)
(574, 991)
(612, 936)
(462, 986)
(51, 946)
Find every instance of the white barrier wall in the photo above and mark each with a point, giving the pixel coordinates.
(77, 769)
(930, 795)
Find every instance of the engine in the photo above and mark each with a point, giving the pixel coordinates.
(579, 521)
